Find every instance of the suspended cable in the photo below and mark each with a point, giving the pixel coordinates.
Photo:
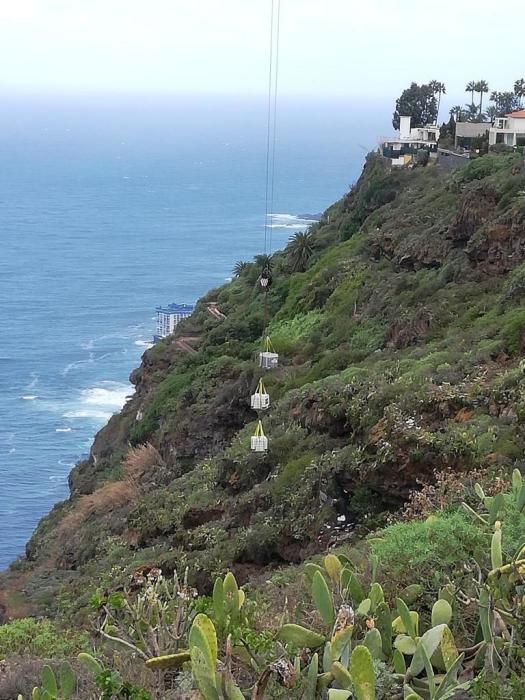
(275, 93)
(269, 127)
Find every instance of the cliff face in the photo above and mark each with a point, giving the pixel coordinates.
(400, 347)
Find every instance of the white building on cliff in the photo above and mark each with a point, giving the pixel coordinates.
(509, 130)
(403, 149)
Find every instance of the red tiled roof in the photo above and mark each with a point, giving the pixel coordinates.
(520, 114)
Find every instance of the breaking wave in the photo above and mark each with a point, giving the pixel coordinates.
(100, 402)
(289, 221)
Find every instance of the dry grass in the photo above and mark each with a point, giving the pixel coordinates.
(115, 494)
(13, 603)
(139, 461)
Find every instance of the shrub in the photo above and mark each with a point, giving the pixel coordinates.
(430, 551)
(164, 401)
(515, 284)
(289, 336)
(291, 474)
(42, 638)
(513, 330)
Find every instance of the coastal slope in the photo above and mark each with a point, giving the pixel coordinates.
(400, 329)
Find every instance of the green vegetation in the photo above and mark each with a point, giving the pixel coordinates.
(448, 620)
(401, 341)
(300, 249)
(418, 102)
(42, 638)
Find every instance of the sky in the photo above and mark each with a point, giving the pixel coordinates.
(328, 47)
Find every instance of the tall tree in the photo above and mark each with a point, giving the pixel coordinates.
(471, 87)
(437, 89)
(519, 89)
(457, 112)
(482, 87)
(418, 102)
(263, 261)
(239, 268)
(448, 128)
(505, 102)
(471, 112)
(299, 250)
(491, 113)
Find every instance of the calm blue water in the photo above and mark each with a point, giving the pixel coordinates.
(109, 207)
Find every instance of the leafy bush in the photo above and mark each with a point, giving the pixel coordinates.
(514, 287)
(42, 638)
(433, 550)
(164, 401)
(288, 336)
(291, 474)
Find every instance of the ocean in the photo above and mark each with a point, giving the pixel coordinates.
(110, 206)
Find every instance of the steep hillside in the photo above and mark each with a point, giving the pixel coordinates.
(400, 348)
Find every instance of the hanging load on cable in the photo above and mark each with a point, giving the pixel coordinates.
(265, 279)
(259, 441)
(268, 358)
(260, 401)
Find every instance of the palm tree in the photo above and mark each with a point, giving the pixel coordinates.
(481, 86)
(263, 261)
(471, 112)
(437, 89)
(239, 267)
(300, 249)
(456, 112)
(519, 89)
(491, 113)
(471, 87)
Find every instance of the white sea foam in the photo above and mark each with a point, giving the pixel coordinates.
(100, 402)
(29, 397)
(284, 217)
(88, 345)
(34, 380)
(110, 394)
(296, 227)
(288, 221)
(144, 343)
(62, 430)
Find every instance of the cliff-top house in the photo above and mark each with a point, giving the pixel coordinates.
(509, 130)
(403, 149)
